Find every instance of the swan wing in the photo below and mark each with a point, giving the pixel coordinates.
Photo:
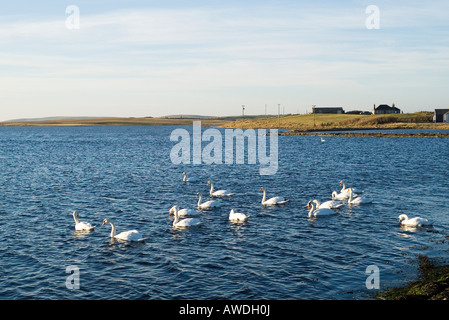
(187, 212)
(131, 235)
(238, 216)
(189, 222)
(84, 226)
(323, 212)
(222, 193)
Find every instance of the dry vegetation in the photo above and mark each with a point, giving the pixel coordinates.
(116, 122)
(323, 122)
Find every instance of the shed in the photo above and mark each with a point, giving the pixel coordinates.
(438, 114)
(336, 110)
(446, 117)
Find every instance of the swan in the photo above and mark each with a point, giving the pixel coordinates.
(331, 204)
(413, 222)
(237, 216)
(184, 223)
(208, 204)
(319, 212)
(357, 200)
(131, 235)
(272, 201)
(184, 212)
(322, 140)
(80, 225)
(340, 196)
(185, 179)
(218, 193)
(344, 189)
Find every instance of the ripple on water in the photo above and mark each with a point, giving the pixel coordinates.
(125, 173)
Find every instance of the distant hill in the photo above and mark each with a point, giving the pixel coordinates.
(51, 119)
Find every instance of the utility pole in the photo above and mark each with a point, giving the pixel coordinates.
(279, 116)
(313, 110)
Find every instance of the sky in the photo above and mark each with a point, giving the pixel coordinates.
(208, 57)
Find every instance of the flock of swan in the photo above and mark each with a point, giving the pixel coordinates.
(190, 219)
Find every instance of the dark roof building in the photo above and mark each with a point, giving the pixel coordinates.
(438, 115)
(385, 109)
(337, 110)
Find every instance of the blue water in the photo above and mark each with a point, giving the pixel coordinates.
(125, 174)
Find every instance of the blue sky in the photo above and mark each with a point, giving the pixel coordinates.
(154, 58)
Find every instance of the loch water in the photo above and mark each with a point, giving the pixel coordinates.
(124, 173)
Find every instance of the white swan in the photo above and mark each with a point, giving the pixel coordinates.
(80, 225)
(331, 204)
(185, 223)
(344, 189)
(218, 193)
(320, 212)
(185, 179)
(413, 222)
(272, 201)
(340, 196)
(131, 235)
(322, 140)
(357, 200)
(208, 204)
(183, 212)
(237, 216)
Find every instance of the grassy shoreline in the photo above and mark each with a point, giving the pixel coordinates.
(307, 124)
(115, 122)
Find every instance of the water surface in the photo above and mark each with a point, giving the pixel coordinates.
(125, 174)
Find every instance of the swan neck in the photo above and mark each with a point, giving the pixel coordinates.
(112, 230)
(176, 216)
(264, 198)
(75, 218)
(200, 198)
(312, 209)
(211, 188)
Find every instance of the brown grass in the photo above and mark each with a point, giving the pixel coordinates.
(323, 122)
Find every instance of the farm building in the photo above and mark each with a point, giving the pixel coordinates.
(336, 110)
(438, 115)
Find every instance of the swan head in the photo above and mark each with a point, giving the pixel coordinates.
(261, 189)
(341, 182)
(208, 183)
(172, 210)
(76, 214)
(105, 221)
(183, 173)
(309, 204)
(402, 217)
(198, 194)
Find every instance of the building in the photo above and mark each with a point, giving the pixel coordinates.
(336, 110)
(438, 115)
(446, 117)
(385, 109)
